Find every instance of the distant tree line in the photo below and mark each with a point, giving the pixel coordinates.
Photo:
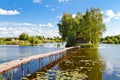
(111, 39)
(26, 39)
(88, 27)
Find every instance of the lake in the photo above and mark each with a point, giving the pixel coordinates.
(11, 52)
(87, 64)
(110, 55)
(83, 64)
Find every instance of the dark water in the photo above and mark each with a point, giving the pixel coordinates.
(86, 64)
(11, 52)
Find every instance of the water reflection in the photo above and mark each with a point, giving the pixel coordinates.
(78, 65)
(111, 57)
(84, 62)
(11, 52)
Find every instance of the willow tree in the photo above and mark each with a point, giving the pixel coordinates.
(88, 26)
(93, 26)
(68, 29)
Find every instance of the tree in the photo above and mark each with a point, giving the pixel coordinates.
(40, 37)
(67, 28)
(93, 25)
(24, 36)
(111, 39)
(88, 26)
(34, 40)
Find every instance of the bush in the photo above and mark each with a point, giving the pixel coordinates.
(111, 39)
(24, 36)
(88, 46)
(24, 43)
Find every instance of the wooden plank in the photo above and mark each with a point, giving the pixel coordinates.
(4, 67)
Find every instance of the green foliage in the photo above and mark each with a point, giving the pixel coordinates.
(34, 40)
(111, 39)
(71, 42)
(40, 37)
(88, 46)
(24, 36)
(2, 41)
(57, 39)
(26, 40)
(93, 26)
(24, 43)
(8, 39)
(88, 26)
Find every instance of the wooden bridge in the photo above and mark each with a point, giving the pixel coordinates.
(7, 66)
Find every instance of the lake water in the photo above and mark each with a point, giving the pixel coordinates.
(83, 64)
(110, 55)
(11, 52)
(87, 64)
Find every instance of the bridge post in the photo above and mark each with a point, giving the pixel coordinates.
(39, 63)
(22, 70)
(28, 66)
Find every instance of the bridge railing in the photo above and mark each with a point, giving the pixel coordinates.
(18, 68)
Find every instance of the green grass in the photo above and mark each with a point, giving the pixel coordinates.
(24, 43)
(88, 45)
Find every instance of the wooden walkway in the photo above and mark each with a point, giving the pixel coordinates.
(5, 67)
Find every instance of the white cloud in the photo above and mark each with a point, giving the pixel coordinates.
(47, 5)
(108, 15)
(117, 16)
(6, 24)
(63, 0)
(12, 29)
(113, 28)
(46, 25)
(59, 17)
(50, 25)
(73, 15)
(37, 1)
(3, 29)
(16, 24)
(51, 33)
(53, 9)
(8, 12)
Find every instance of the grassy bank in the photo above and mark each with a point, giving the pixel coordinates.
(88, 45)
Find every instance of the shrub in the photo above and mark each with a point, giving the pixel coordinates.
(24, 43)
(88, 46)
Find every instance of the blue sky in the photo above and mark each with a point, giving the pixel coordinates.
(40, 17)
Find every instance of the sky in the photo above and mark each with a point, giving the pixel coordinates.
(40, 17)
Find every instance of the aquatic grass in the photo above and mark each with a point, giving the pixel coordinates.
(1, 78)
(77, 67)
(61, 75)
(24, 78)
